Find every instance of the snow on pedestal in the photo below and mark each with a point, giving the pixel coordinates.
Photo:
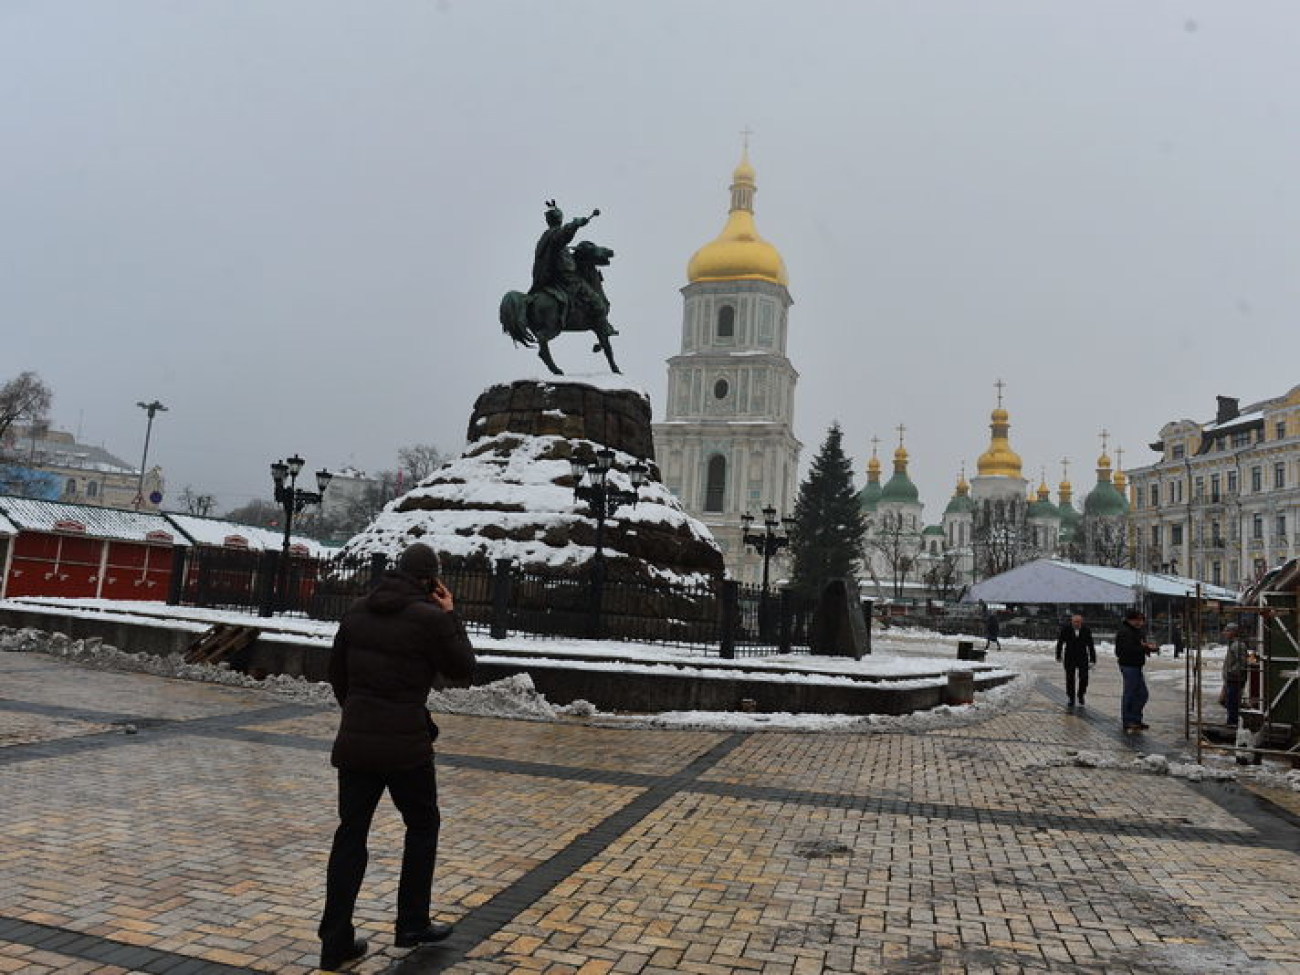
(510, 493)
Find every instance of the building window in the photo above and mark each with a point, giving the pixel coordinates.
(92, 490)
(1257, 527)
(1214, 487)
(1155, 495)
(715, 488)
(70, 488)
(1178, 492)
(1155, 536)
(1241, 438)
(1232, 483)
(1216, 573)
(720, 389)
(1281, 429)
(726, 322)
(1279, 528)
(1279, 476)
(1179, 451)
(1199, 494)
(1176, 534)
(1256, 480)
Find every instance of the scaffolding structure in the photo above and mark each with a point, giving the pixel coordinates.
(1269, 715)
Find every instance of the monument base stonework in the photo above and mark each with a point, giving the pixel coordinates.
(510, 493)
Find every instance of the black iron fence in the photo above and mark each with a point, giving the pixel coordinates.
(723, 617)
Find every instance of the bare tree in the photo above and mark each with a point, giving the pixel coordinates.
(941, 576)
(419, 460)
(195, 503)
(897, 545)
(24, 399)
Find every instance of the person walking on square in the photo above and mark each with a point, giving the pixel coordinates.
(1177, 639)
(392, 647)
(1075, 647)
(991, 630)
(1131, 650)
(1235, 664)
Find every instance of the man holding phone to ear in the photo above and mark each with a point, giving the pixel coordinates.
(392, 647)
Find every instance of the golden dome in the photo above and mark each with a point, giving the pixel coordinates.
(739, 253)
(999, 460)
(873, 467)
(1103, 467)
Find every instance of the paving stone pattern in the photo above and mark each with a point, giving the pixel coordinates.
(154, 825)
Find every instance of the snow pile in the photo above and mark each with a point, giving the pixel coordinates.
(1147, 764)
(511, 697)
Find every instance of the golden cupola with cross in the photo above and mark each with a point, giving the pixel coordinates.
(739, 253)
(999, 460)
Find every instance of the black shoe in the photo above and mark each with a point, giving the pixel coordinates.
(1143, 727)
(1070, 703)
(435, 932)
(332, 959)
(1080, 702)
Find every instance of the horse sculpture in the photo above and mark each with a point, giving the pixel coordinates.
(540, 316)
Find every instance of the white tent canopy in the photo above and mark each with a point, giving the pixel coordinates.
(1072, 583)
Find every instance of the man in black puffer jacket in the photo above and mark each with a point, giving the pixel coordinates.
(391, 649)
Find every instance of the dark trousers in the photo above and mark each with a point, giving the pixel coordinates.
(1134, 697)
(1232, 699)
(415, 794)
(1073, 667)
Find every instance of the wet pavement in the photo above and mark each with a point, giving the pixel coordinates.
(157, 825)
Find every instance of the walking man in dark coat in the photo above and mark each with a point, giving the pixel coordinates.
(1074, 646)
(392, 647)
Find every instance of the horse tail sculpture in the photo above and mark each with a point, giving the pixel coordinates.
(514, 318)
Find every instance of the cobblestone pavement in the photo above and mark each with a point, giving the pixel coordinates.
(154, 825)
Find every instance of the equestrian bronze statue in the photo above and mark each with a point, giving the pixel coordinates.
(567, 293)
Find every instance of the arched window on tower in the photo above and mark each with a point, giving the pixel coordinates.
(715, 488)
(726, 322)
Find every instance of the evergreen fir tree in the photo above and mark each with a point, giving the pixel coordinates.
(826, 540)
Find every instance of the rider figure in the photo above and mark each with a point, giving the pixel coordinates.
(554, 270)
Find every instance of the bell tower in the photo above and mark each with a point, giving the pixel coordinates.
(726, 445)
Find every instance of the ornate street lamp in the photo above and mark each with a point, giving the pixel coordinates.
(766, 543)
(591, 484)
(293, 499)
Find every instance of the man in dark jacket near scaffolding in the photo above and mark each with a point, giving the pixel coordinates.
(1131, 650)
(391, 649)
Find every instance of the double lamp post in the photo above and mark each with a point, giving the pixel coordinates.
(765, 543)
(591, 484)
(293, 499)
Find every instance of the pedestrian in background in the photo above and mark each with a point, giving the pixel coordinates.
(391, 648)
(1131, 650)
(991, 630)
(1177, 639)
(1074, 646)
(1236, 663)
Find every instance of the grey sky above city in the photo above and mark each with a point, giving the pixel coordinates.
(292, 222)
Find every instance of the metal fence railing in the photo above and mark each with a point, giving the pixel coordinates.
(723, 617)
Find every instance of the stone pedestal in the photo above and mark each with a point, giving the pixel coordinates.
(510, 493)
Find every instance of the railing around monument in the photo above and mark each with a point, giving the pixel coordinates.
(694, 617)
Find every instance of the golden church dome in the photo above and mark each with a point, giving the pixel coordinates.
(739, 253)
(999, 460)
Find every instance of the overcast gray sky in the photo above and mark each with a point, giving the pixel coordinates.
(292, 222)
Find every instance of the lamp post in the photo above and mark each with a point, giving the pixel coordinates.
(604, 499)
(151, 409)
(293, 500)
(766, 543)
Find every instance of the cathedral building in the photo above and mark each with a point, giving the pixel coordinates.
(726, 446)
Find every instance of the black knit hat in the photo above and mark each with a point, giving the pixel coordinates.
(420, 561)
